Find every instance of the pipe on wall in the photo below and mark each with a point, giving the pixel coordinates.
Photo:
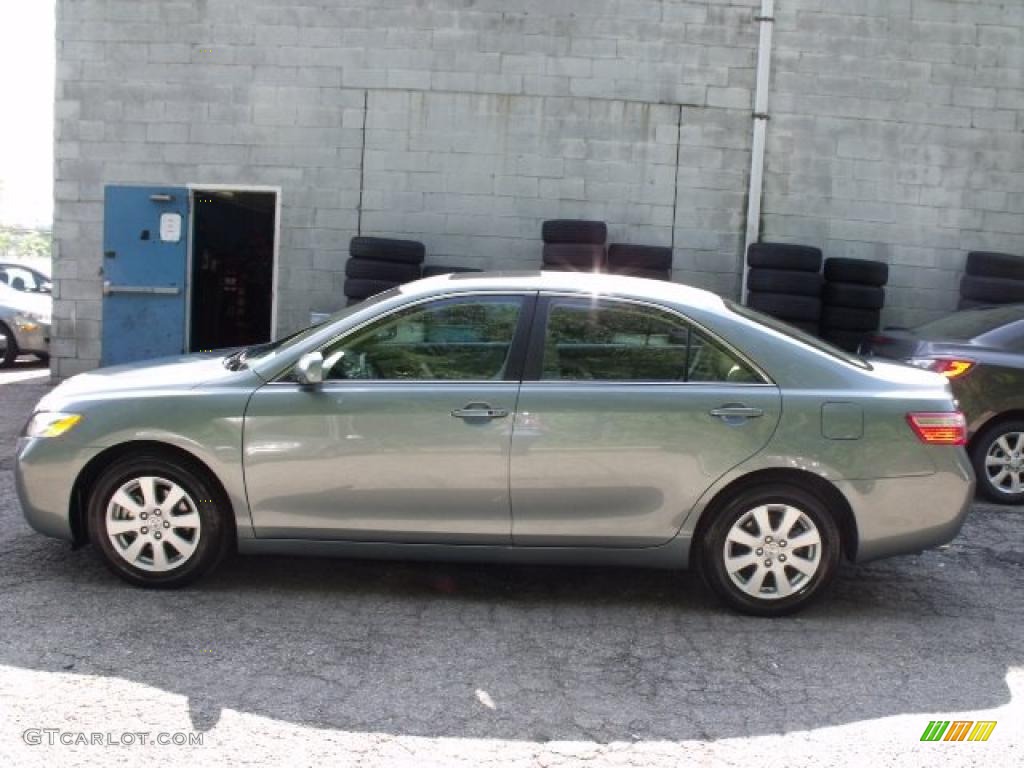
(766, 20)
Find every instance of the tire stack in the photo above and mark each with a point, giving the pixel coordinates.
(436, 269)
(378, 263)
(574, 245)
(991, 278)
(784, 281)
(651, 261)
(853, 298)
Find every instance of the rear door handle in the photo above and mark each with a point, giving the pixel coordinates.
(736, 412)
(479, 411)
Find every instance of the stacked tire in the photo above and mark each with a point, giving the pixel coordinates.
(853, 298)
(991, 278)
(784, 281)
(436, 269)
(651, 261)
(378, 263)
(574, 245)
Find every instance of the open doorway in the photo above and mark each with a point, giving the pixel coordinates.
(232, 267)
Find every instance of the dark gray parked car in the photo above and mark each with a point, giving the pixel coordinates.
(543, 417)
(981, 352)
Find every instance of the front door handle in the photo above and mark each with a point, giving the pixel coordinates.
(728, 412)
(479, 411)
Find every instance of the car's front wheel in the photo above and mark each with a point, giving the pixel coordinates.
(998, 457)
(771, 550)
(158, 521)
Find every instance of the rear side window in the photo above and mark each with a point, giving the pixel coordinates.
(617, 341)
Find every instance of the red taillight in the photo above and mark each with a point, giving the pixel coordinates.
(948, 428)
(951, 368)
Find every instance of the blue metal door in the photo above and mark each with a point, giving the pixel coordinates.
(145, 249)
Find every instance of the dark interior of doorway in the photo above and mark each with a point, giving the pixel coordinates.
(232, 268)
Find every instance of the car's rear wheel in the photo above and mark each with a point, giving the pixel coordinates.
(8, 347)
(158, 521)
(998, 457)
(771, 550)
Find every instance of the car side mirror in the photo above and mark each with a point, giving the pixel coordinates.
(309, 371)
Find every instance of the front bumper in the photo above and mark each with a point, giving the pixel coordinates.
(33, 337)
(905, 515)
(44, 474)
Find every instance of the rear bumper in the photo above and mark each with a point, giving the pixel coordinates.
(904, 515)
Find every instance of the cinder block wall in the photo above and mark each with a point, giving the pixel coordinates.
(482, 119)
(897, 134)
(896, 131)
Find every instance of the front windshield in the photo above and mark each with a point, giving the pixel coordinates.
(260, 352)
(785, 328)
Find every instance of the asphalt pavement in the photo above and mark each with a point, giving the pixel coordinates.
(277, 661)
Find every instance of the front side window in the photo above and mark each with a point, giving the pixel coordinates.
(617, 341)
(458, 339)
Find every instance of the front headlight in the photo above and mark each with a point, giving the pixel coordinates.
(30, 321)
(51, 424)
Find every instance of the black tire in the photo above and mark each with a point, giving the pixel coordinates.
(849, 319)
(972, 304)
(649, 274)
(812, 328)
(435, 269)
(582, 257)
(360, 288)
(786, 306)
(859, 271)
(979, 449)
(714, 541)
(215, 528)
(784, 281)
(574, 231)
(652, 257)
(853, 295)
(989, 264)
(387, 249)
(802, 258)
(851, 341)
(8, 347)
(382, 270)
(994, 290)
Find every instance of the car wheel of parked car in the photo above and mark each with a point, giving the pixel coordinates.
(998, 457)
(157, 521)
(771, 550)
(8, 347)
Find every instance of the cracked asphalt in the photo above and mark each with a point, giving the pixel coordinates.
(275, 661)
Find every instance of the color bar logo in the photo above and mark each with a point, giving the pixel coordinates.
(958, 730)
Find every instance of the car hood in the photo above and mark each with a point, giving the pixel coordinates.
(20, 301)
(180, 372)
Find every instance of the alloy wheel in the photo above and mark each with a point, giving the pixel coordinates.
(153, 524)
(1004, 463)
(772, 551)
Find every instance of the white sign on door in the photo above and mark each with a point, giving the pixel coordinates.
(170, 227)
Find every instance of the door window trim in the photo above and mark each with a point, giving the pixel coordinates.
(535, 354)
(516, 358)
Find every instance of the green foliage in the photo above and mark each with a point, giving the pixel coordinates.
(24, 243)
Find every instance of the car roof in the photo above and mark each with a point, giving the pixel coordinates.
(598, 283)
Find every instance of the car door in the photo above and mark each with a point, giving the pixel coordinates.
(408, 437)
(628, 412)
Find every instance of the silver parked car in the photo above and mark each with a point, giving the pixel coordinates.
(24, 324)
(542, 417)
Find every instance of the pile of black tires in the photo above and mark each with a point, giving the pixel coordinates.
(991, 278)
(378, 263)
(574, 245)
(852, 301)
(784, 281)
(651, 261)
